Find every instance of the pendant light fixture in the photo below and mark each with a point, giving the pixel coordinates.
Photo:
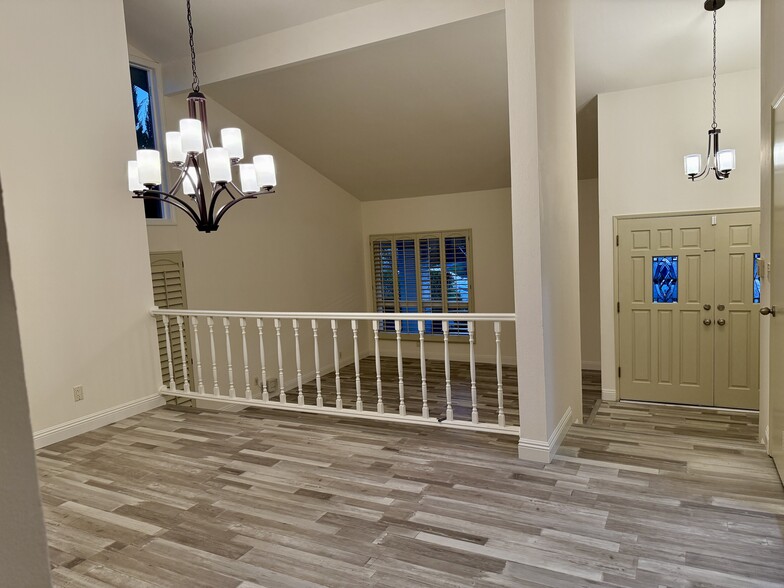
(719, 161)
(187, 151)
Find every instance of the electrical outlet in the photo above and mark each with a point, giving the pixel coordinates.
(78, 392)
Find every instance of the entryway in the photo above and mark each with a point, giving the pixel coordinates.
(687, 290)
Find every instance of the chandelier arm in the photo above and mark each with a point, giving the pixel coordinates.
(225, 208)
(216, 192)
(168, 199)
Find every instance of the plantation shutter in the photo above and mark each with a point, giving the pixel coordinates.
(168, 286)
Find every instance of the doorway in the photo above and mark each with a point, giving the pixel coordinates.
(688, 309)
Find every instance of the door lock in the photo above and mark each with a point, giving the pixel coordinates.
(765, 311)
(707, 322)
(721, 322)
(706, 306)
(720, 307)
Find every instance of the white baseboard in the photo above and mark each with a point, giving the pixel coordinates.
(592, 365)
(544, 451)
(95, 420)
(609, 395)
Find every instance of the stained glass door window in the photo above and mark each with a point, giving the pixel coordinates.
(665, 279)
(757, 283)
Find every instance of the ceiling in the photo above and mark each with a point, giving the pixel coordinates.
(158, 27)
(427, 113)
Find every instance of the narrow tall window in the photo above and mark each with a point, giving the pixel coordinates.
(757, 289)
(142, 92)
(425, 273)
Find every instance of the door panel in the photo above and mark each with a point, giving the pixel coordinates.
(666, 350)
(776, 296)
(736, 315)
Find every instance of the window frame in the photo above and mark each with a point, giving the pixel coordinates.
(416, 236)
(156, 96)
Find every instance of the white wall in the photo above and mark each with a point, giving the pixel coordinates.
(643, 136)
(77, 241)
(298, 250)
(488, 215)
(590, 325)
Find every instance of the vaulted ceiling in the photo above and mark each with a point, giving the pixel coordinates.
(427, 112)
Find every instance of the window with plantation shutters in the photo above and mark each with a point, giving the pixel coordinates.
(168, 286)
(423, 273)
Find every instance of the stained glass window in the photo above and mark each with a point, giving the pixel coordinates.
(429, 274)
(665, 279)
(142, 94)
(757, 283)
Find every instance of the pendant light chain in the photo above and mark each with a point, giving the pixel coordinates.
(195, 84)
(714, 125)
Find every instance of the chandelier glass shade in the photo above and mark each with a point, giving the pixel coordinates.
(719, 161)
(190, 152)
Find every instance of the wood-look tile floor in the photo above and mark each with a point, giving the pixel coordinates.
(181, 497)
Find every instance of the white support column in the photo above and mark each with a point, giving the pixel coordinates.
(197, 351)
(172, 385)
(262, 357)
(499, 372)
(186, 385)
(336, 353)
(319, 398)
(542, 130)
(243, 327)
(354, 328)
(472, 364)
(423, 368)
(450, 414)
(379, 386)
(298, 358)
(211, 325)
(281, 382)
(226, 327)
(400, 385)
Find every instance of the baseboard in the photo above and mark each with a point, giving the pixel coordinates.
(609, 395)
(766, 439)
(95, 420)
(544, 451)
(592, 365)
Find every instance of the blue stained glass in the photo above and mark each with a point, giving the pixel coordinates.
(757, 283)
(665, 279)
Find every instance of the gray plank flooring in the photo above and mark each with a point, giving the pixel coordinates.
(183, 497)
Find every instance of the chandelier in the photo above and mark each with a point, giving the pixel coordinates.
(720, 161)
(187, 151)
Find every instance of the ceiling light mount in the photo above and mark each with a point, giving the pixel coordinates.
(720, 161)
(188, 151)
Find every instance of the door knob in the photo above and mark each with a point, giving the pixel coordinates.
(765, 311)
(706, 322)
(721, 322)
(706, 306)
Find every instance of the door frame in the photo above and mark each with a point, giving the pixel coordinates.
(616, 262)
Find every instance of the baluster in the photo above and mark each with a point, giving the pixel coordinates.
(172, 384)
(263, 358)
(474, 411)
(197, 350)
(319, 399)
(356, 366)
(300, 395)
(336, 351)
(379, 387)
(423, 368)
(226, 325)
(449, 412)
(499, 374)
(400, 386)
(215, 389)
(281, 386)
(186, 386)
(243, 324)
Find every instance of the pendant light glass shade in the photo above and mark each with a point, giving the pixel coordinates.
(725, 160)
(248, 180)
(231, 139)
(265, 170)
(190, 134)
(190, 181)
(174, 152)
(134, 185)
(219, 164)
(692, 164)
(149, 166)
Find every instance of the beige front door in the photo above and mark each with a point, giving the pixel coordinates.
(776, 282)
(688, 324)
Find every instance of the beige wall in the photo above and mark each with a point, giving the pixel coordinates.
(643, 136)
(772, 85)
(299, 250)
(590, 325)
(488, 215)
(77, 241)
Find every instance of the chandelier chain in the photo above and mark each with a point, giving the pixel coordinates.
(714, 125)
(195, 83)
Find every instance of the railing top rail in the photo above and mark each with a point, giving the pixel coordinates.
(441, 316)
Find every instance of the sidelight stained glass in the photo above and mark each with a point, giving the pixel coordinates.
(757, 283)
(665, 279)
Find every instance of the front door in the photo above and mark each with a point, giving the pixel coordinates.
(776, 428)
(688, 326)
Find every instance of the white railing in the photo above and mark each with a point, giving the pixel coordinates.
(415, 353)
